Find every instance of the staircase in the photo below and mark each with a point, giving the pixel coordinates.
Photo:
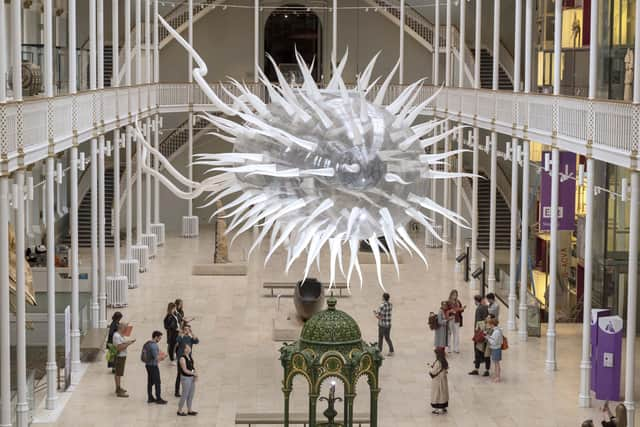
(503, 217)
(486, 72)
(180, 136)
(84, 215)
(108, 66)
(178, 18)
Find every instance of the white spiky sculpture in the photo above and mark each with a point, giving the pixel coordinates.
(321, 166)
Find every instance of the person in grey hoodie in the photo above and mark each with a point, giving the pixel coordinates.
(153, 356)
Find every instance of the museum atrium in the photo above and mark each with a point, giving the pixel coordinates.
(283, 168)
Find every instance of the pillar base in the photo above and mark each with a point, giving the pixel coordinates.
(52, 384)
(190, 226)
(523, 333)
(151, 242)
(511, 322)
(95, 315)
(22, 414)
(159, 231)
(584, 398)
(117, 288)
(102, 302)
(141, 254)
(131, 270)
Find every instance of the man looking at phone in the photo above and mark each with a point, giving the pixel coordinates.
(383, 314)
(121, 344)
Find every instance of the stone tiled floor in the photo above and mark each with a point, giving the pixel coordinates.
(239, 366)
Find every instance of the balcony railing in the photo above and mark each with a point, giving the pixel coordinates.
(607, 130)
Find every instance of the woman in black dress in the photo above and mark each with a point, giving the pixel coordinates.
(171, 325)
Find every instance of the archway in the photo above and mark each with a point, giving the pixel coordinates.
(288, 28)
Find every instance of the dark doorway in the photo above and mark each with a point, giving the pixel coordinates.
(288, 28)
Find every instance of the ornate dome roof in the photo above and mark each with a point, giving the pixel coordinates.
(331, 327)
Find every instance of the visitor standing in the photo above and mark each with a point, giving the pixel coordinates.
(171, 325)
(439, 383)
(454, 309)
(494, 340)
(188, 376)
(479, 342)
(494, 306)
(121, 344)
(440, 338)
(186, 338)
(113, 327)
(383, 314)
(180, 312)
(151, 356)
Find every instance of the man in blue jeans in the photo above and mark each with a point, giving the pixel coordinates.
(383, 314)
(153, 356)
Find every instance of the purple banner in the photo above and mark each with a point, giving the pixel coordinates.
(566, 195)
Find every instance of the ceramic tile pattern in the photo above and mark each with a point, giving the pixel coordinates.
(239, 366)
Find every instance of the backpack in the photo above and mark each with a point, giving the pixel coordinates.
(145, 354)
(505, 343)
(433, 321)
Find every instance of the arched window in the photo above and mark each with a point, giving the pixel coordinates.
(288, 28)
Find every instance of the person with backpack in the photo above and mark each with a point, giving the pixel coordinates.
(495, 340)
(150, 356)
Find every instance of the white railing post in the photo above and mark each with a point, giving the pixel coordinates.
(5, 313)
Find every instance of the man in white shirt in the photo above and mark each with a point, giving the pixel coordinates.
(121, 344)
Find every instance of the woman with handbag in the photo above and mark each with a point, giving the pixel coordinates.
(439, 383)
(454, 315)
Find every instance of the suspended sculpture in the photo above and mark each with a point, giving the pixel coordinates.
(320, 167)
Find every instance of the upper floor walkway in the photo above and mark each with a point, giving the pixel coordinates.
(607, 130)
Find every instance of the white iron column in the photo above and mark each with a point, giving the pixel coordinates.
(95, 272)
(524, 224)
(256, 40)
(334, 33)
(127, 79)
(156, 79)
(436, 47)
(73, 209)
(139, 178)
(550, 362)
(447, 81)
(584, 397)
(473, 264)
(491, 279)
(5, 323)
(147, 178)
(22, 407)
(515, 159)
(401, 71)
(102, 296)
(513, 243)
(5, 319)
(51, 366)
(632, 297)
(117, 143)
(461, 45)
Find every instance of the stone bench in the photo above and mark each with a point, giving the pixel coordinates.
(339, 286)
(270, 418)
(227, 269)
